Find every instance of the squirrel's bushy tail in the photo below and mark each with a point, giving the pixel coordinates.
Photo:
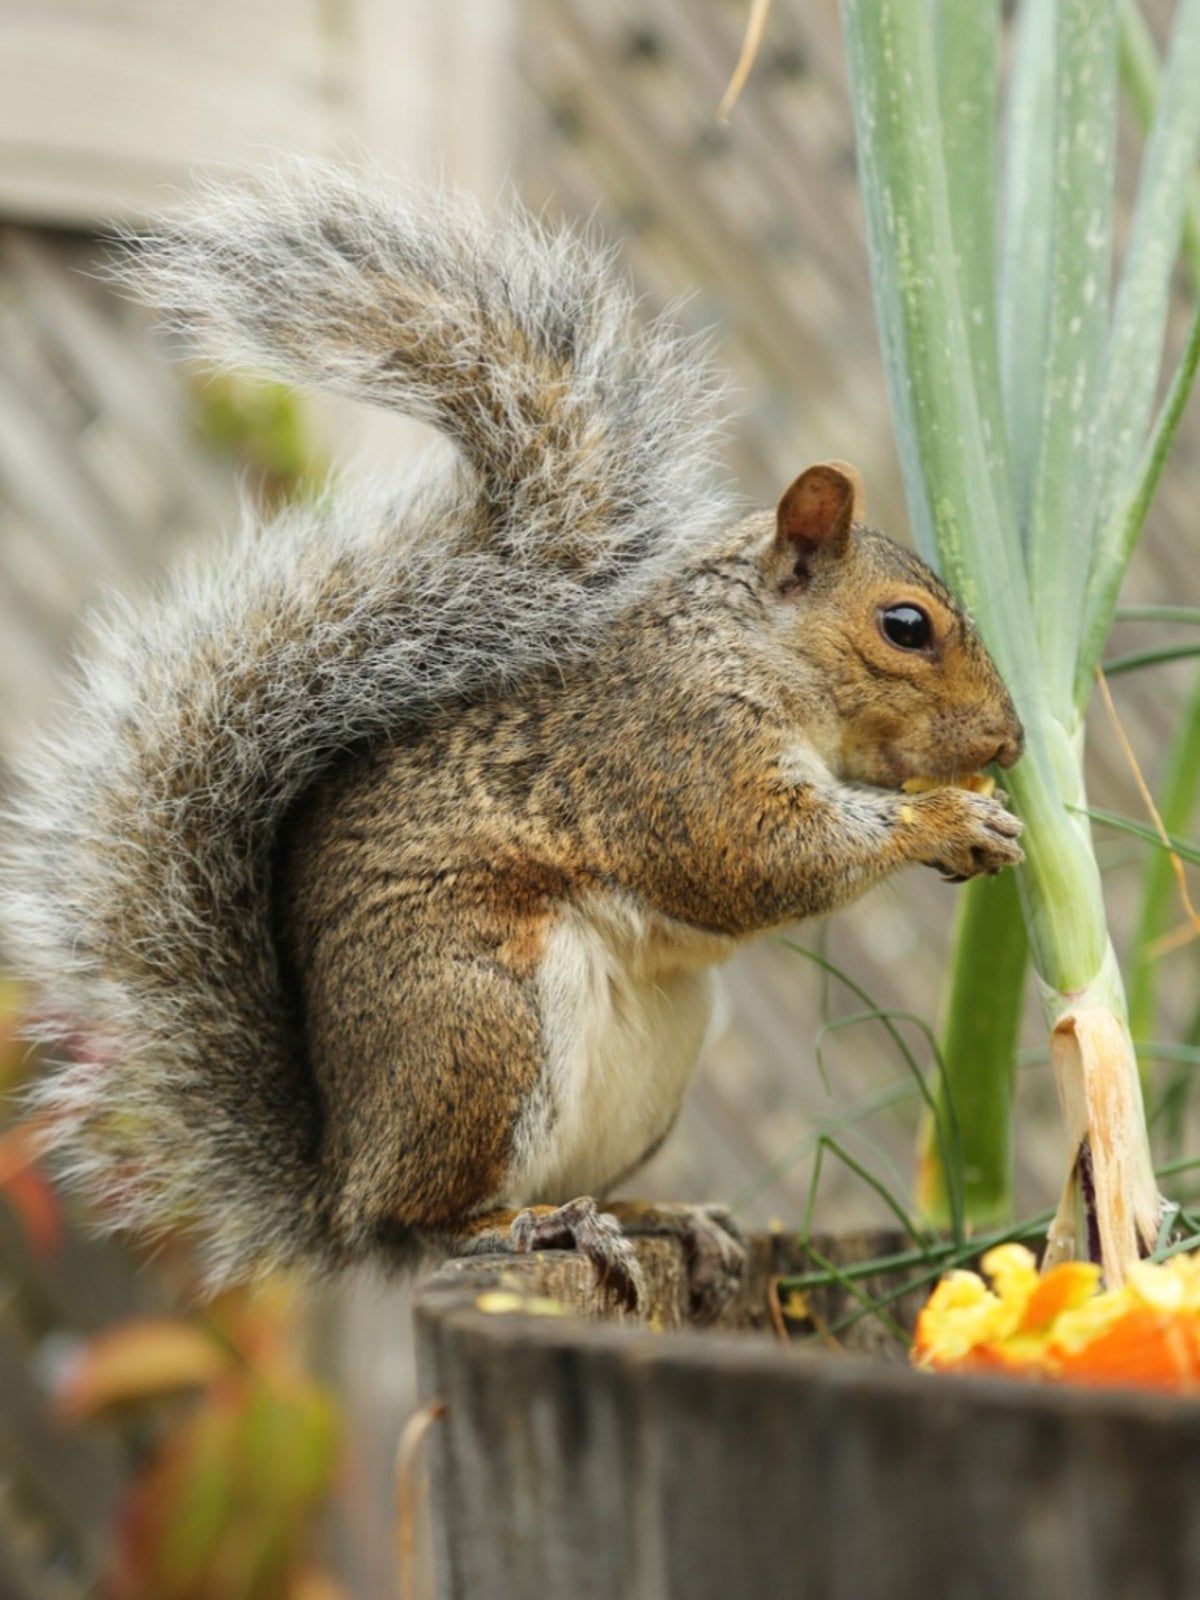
(137, 857)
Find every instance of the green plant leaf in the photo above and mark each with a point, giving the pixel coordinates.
(1025, 268)
(968, 42)
(1140, 315)
(1030, 621)
(891, 1094)
(1119, 536)
(927, 354)
(1063, 498)
(989, 962)
(1140, 77)
(226, 1508)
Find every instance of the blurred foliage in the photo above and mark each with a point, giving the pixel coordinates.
(223, 1507)
(263, 428)
(234, 1448)
(24, 1188)
(225, 1448)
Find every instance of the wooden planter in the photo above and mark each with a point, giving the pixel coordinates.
(586, 1457)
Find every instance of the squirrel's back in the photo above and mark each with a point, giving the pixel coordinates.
(137, 857)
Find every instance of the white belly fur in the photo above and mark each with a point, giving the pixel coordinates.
(626, 1003)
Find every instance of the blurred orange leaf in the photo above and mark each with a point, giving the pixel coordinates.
(142, 1360)
(314, 1583)
(37, 1208)
(30, 1194)
(21, 1146)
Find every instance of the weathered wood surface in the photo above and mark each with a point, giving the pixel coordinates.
(583, 1459)
(108, 107)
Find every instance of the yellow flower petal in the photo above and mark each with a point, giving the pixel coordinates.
(1157, 1286)
(1013, 1271)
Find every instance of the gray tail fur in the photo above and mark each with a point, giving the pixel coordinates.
(137, 855)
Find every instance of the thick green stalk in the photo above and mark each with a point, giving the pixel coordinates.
(978, 1046)
(983, 995)
(930, 378)
(931, 381)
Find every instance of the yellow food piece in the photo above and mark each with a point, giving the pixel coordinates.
(501, 1302)
(794, 1305)
(976, 782)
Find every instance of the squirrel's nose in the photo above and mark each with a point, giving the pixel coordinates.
(1009, 747)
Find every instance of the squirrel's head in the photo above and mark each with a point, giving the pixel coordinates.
(914, 691)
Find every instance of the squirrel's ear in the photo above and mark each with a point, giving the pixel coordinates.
(817, 511)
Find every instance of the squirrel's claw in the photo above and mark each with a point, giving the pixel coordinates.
(579, 1226)
(716, 1257)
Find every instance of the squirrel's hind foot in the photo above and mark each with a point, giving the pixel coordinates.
(713, 1249)
(579, 1226)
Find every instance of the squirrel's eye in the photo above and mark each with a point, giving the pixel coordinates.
(907, 627)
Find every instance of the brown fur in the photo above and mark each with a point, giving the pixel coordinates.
(417, 887)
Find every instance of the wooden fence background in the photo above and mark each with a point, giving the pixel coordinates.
(602, 112)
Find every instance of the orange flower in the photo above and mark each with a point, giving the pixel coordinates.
(1063, 1325)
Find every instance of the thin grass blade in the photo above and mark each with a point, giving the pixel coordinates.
(1159, 656)
(1185, 849)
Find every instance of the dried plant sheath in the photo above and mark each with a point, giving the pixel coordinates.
(1100, 1095)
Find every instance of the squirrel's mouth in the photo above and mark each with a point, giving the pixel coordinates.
(908, 777)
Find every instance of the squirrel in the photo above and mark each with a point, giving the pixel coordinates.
(374, 883)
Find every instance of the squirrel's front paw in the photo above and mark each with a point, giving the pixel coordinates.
(578, 1225)
(967, 834)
